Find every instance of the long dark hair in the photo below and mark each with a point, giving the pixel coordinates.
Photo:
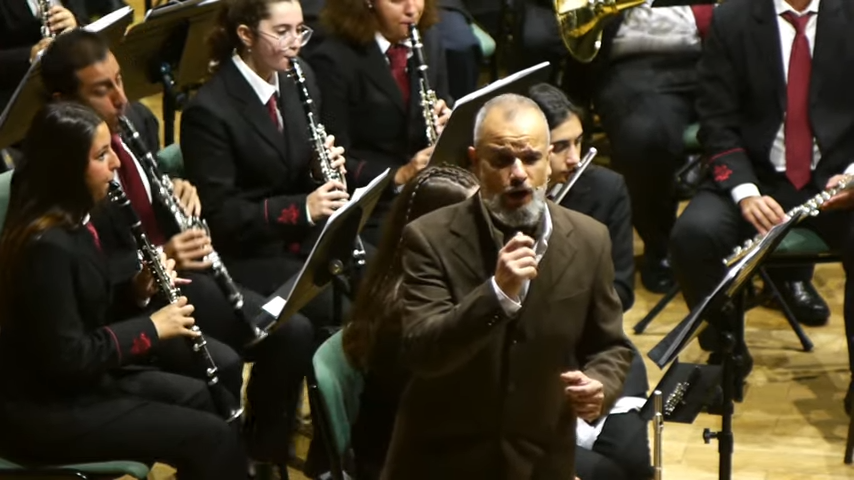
(224, 41)
(48, 187)
(376, 316)
(356, 22)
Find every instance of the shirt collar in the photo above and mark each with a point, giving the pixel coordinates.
(86, 219)
(262, 88)
(384, 44)
(782, 7)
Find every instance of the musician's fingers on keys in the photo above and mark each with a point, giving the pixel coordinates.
(61, 19)
(188, 196)
(844, 199)
(762, 212)
(174, 320)
(189, 249)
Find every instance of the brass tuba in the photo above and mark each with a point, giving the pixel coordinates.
(580, 23)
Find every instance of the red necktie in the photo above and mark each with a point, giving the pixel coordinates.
(703, 17)
(397, 59)
(94, 233)
(135, 191)
(798, 132)
(272, 109)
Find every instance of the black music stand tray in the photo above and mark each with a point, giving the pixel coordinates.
(458, 134)
(726, 298)
(328, 258)
(689, 387)
(30, 95)
(153, 53)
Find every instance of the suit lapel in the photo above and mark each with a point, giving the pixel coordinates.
(766, 38)
(474, 246)
(378, 71)
(253, 111)
(832, 30)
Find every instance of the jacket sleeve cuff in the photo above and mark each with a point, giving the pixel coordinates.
(745, 190)
(133, 338)
(508, 305)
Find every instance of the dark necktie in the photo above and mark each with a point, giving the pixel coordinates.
(94, 233)
(135, 191)
(272, 109)
(797, 129)
(703, 17)
(397, 60)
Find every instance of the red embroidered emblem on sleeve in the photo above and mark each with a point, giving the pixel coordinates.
(722, 172)
(141, 344)
(289, 215)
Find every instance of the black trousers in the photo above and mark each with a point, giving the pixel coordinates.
(281, 361)
(165, 418)
(712, 225)
(645, 104)
(621, 452)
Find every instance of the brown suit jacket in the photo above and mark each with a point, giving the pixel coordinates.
(485, 399)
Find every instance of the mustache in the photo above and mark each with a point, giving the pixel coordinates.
(518, 189)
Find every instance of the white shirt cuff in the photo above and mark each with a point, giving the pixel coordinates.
(509, 305)
(308, 215)
(745, 190)
(143, 303)
(849, 170)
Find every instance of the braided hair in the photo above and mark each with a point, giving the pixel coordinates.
(374, 329)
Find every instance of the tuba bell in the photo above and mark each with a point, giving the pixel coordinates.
(581, 22)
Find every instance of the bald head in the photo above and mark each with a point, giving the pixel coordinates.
(505, 109)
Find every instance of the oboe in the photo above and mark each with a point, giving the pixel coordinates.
(559, 191)
(317, 138)
(426, 94)
(163, 189)
(227, 405)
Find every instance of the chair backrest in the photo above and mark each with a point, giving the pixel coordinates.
(171, 160)
(340, 387)
(5, 190)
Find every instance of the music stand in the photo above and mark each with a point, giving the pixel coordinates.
(726, 298)
(686, 388)
(30, 94)
(332, 250)
(682, 3)
(152, 52)
(458, 133)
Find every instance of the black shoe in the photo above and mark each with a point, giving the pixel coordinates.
(804, 301)
(656, 275)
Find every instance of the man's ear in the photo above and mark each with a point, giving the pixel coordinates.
(473, 160)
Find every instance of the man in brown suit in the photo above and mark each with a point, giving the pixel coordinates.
(511, 325)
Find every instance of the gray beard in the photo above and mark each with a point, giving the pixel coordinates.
(528, 216)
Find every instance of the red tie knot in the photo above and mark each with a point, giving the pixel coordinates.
(797, 21)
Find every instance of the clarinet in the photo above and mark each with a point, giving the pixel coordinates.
(317, 139)
(44, 15)
(163, 189)
(426, 94)
(227, 405)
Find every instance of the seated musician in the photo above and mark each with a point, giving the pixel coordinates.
(368, 75)
(245, 141)
(462, 48)
(79, 66)
(599, 192)
(488, 288)
(372, 336)
(75, 362)
(772, 146)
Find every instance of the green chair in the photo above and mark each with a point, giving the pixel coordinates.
(335, 389)
(5, 189)
(171, 161)
(485, 41)
(100, 470)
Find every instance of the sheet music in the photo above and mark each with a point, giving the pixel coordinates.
(108, 19)
(498, 84)
(156, 12)
(275, 306)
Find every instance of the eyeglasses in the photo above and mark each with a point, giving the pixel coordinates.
(302, 33)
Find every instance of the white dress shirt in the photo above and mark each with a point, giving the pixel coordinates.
(778, 147)
(509, 305)
(265, 89)
(656, 30)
